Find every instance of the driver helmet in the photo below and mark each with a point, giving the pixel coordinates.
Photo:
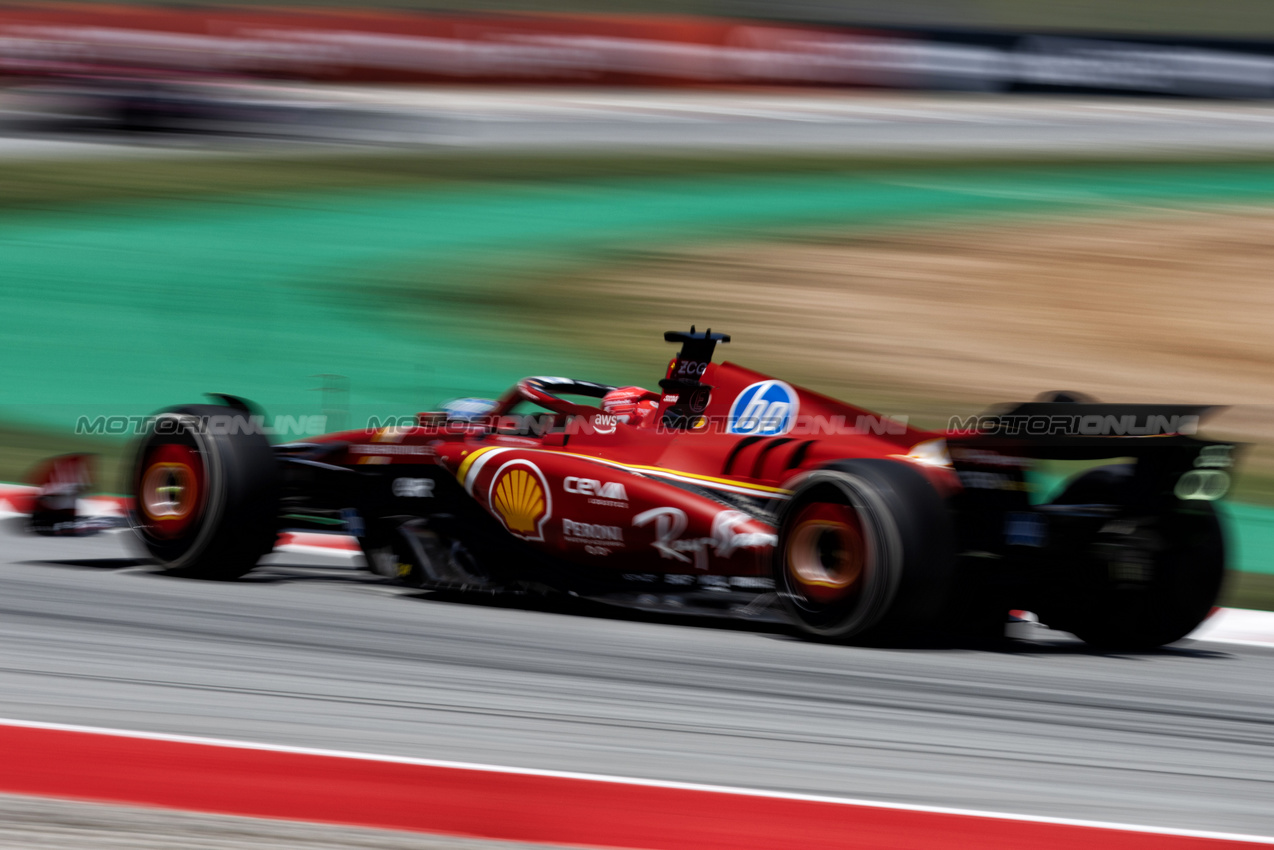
(632, 405)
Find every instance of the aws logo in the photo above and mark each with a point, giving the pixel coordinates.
(519, 495)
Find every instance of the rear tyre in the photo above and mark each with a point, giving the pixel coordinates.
(865, 551)
(1146, 581)
(207, 492)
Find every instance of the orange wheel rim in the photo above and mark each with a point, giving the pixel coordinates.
(825, 553)
(171, 489)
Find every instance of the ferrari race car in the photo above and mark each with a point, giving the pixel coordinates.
(727, 492)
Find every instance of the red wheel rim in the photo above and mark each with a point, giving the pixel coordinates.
(170, 492)
(826, 553)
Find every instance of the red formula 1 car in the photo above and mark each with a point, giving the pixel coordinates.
(728, 492)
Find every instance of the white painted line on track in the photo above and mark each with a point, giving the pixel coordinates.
(327, 552)
(638, 782)
(1240, 626)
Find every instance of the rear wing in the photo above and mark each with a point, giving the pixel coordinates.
(1083, 431)
(993, 451)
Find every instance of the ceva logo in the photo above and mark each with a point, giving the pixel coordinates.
(764, 409)
(590, 487)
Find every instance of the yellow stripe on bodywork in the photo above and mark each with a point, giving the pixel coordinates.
(465, 464)
(761, 488)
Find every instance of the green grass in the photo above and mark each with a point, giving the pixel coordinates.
(57, 184)
(253, 281)
(1249, 590)
(142, 284)
(1254, 485)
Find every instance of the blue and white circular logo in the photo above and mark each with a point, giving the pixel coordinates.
(764, 409)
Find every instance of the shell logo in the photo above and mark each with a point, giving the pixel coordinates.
(520, 496)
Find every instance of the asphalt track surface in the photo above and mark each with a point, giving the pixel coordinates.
(33, 823)
(309, 652)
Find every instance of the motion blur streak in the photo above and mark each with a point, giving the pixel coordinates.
(48, 823)
(352, 213)
(310, 653)
(285, 782)
(361, 46)
(274, 71)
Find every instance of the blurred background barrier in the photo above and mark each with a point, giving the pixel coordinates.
(350, 212)
(201, 45)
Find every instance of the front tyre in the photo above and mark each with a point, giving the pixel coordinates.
(865, 550)
(207, 492)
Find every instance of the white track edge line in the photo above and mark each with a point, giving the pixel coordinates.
(1259, 644)
(325, 551)
(635, 781)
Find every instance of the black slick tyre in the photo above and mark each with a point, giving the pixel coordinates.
(207, 492)
(865, 552)
(1144, 581)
